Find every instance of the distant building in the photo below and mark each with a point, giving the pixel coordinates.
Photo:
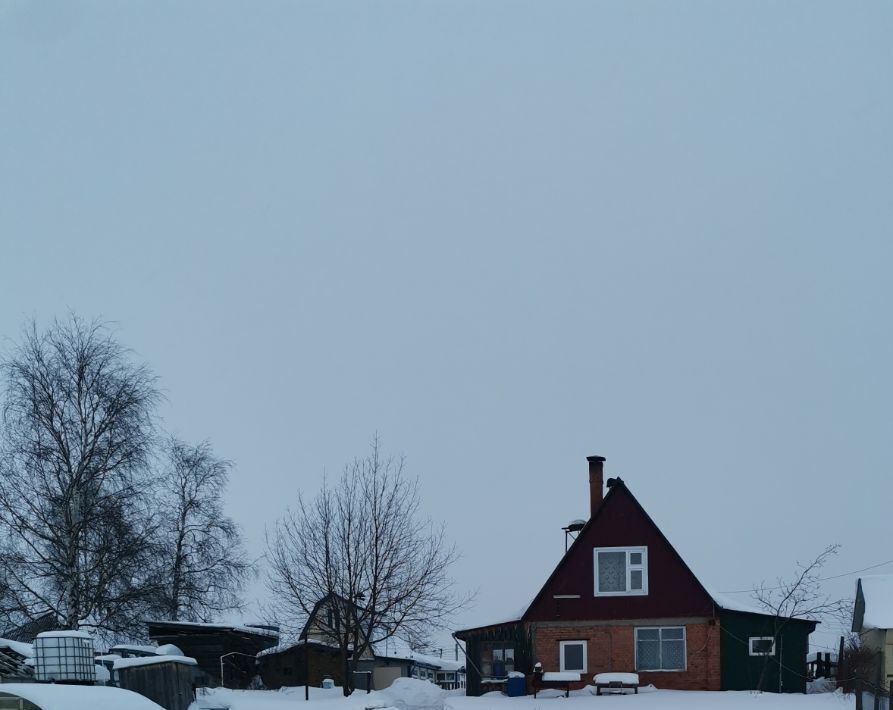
(873, 621)
(214, 646)
(300, 663)
(317, 655)
(394, 660)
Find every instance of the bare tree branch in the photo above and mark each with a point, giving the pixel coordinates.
(802, 595)
(364, 546)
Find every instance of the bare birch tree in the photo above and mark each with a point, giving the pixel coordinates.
(365, 544)
(204, 567)
(800, 596)
(75, 523)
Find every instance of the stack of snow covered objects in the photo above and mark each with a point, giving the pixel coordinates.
(16, 661)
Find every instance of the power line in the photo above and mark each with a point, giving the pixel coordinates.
(821, 579)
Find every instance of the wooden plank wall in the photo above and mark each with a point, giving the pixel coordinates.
(168, 684)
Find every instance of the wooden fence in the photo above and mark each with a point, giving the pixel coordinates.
(872, 697)
(824, 665)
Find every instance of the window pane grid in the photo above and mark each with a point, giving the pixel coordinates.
(612, 571)
(497, 661)
(660, 649)
(621, 570)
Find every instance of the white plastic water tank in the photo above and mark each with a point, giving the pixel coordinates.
(64, 657)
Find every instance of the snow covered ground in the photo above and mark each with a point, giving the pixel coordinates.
(647, 699)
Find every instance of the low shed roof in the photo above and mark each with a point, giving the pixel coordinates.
(48, 696)
(158, 627)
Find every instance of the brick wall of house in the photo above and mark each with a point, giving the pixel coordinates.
(610, 648)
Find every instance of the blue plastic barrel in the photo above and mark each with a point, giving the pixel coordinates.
(516, 687)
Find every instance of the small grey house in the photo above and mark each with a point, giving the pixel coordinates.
(873, 620)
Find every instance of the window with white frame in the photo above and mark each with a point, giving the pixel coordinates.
(621, 571)
(573, 656)
(660, 648)
(761, 645)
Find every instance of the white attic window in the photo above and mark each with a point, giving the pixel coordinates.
(621, 571)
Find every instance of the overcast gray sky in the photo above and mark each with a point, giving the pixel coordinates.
(504, 234)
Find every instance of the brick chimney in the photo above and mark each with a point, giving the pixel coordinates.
(596, 482)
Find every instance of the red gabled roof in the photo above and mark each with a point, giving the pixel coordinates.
(637, 528)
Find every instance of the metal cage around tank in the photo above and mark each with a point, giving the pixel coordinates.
(64, 657)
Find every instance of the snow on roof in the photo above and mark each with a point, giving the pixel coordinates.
(291, 644)
(48, 696)
(404, 653)
(134, 647)
(730, 603)
(444, 664)
(239, 628)
(152, 661)
(510, 619)
(64, 634)
(877, 591)
(168, 649)
(23, 649)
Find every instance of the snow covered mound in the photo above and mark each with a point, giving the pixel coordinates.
(820, 685)
(169, 649)
(414, 694)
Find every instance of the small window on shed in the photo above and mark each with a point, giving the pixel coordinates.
(762, 645)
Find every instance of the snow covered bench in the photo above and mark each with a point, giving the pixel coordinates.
(615, 682)
(555, 680)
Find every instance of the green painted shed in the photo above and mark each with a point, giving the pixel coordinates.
(763, 652)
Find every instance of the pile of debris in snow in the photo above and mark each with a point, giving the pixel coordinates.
(16, 660)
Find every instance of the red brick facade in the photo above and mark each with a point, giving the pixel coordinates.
(611, 648)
